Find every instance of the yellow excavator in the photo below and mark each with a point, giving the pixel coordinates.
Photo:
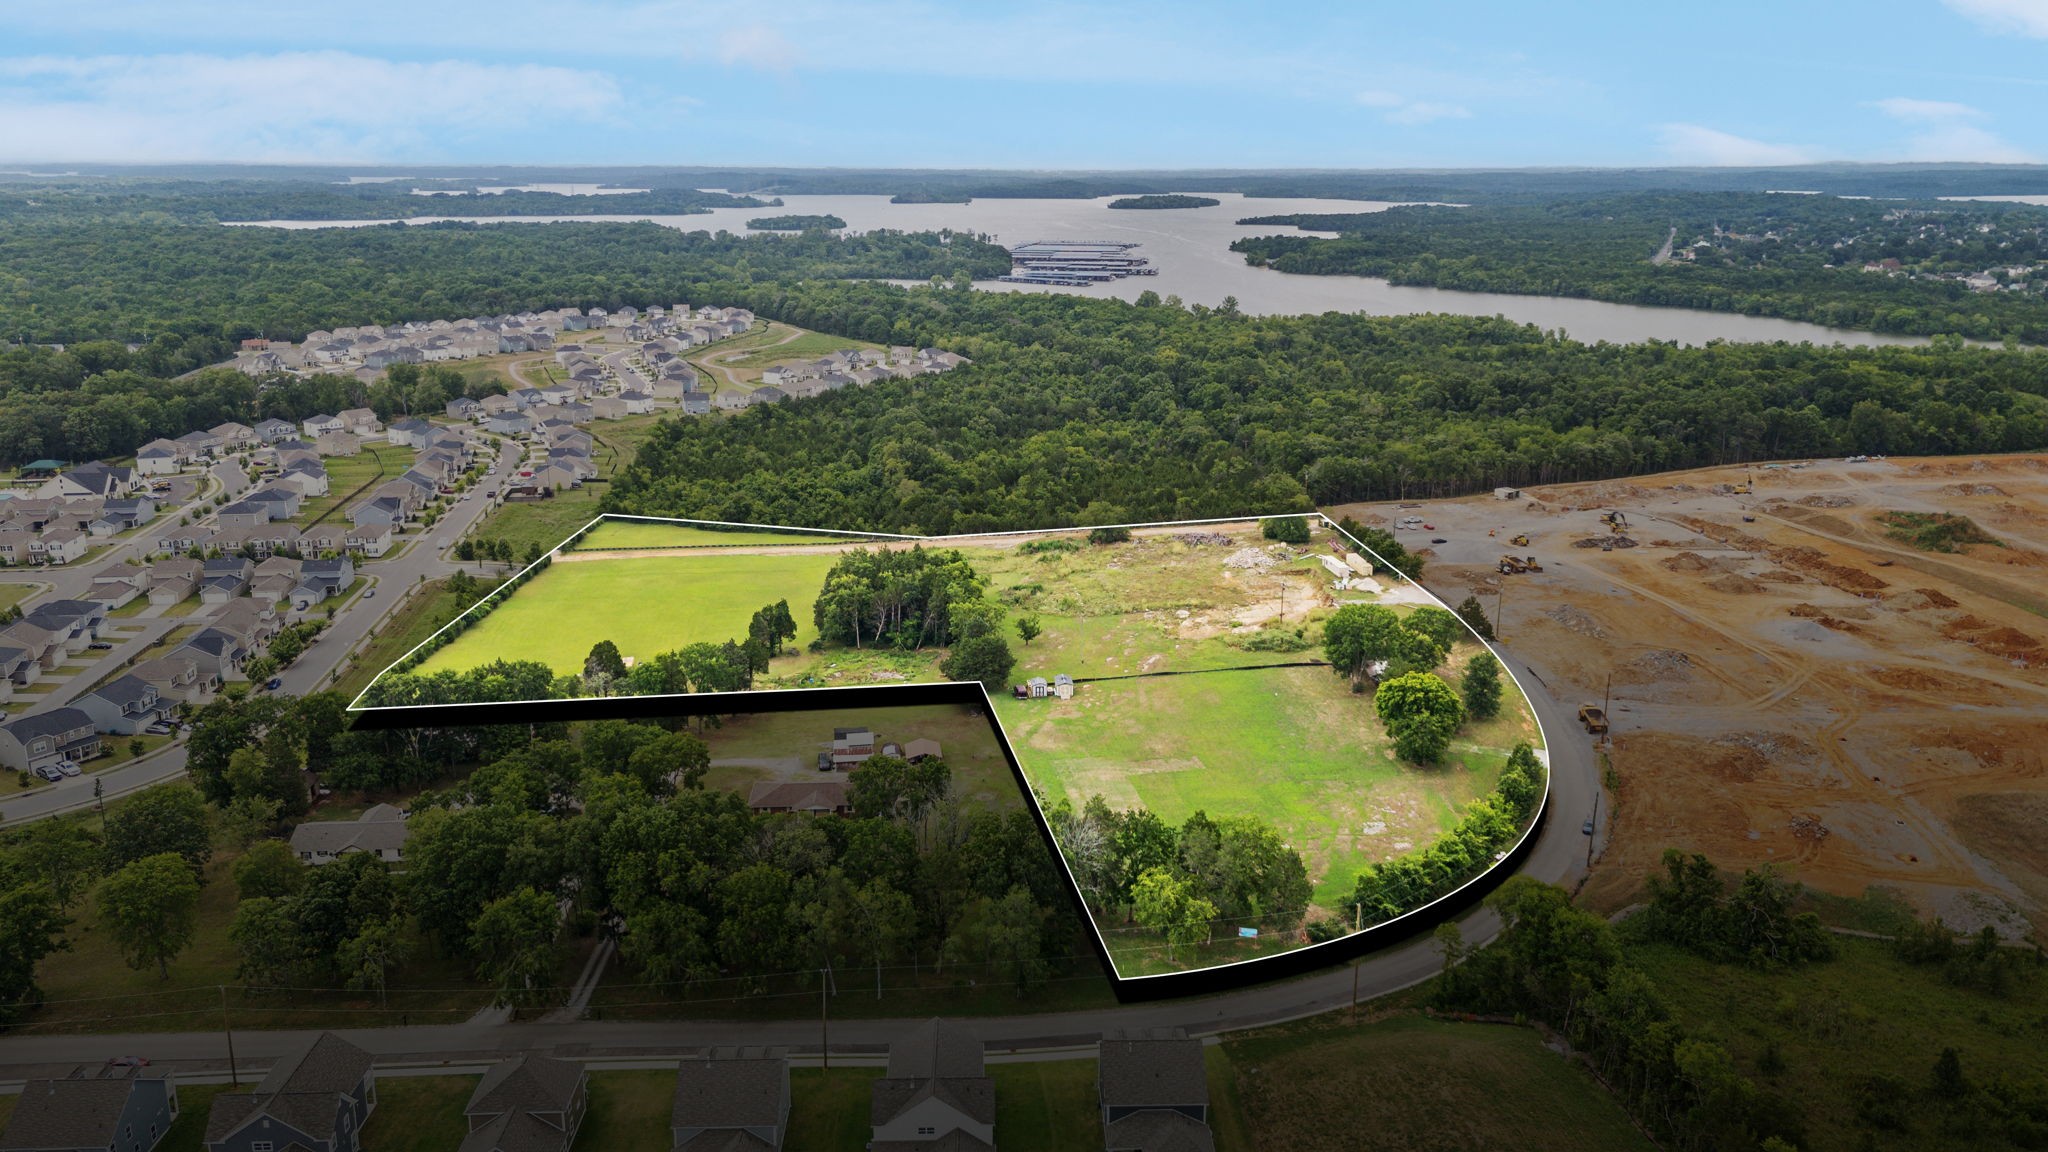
(1616, 520)
(1519, 540)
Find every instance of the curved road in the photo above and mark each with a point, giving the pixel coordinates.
(1559, 857)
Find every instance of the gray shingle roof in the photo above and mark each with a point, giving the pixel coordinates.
(729, 1092)
(70, 1113)
(972, 1096)
(327, 1063)
(541, 1083)
(55, 722)
(1157, 1130)
(1153, 1071)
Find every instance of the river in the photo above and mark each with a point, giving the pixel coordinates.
(1191, 249)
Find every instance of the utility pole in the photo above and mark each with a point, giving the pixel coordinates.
(1500, 593)
(1354, 989)
(1594, 823)
(234, 1077)
(824, 1024)
(1607, 698)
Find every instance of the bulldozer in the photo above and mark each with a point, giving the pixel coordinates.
(1519, 540)
(1516, 565)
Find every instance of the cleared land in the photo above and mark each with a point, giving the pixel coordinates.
(646, 605)
(349, 478)
(1791, 684)
(631, 534)
(546, 523)
(1409, 1084)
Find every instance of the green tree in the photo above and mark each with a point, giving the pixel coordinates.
(268, 868)
(150, 907)
(1438, 627)
(1108, 535)
(247, 818)
(63, 854)
(265, 933)
(1421, 713)
(1286, 529)
(1480, 686)
(166, 818)
(668, 760)
(985, 658)
(1474, 616)
(32, 924)
(669, 943)
(603, 668)
(1357, 636)
(1015, 939)
(1164, 903)
(1029, 627)
(367, 958)
(513, 940)
(884, 922)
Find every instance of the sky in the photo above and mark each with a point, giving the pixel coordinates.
(1025, 83)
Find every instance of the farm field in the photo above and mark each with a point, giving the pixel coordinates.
(646, 605)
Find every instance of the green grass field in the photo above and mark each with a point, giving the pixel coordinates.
(640, 534)
(1050, 1106)
(420, 617)
(1409, 1084)
(195, 1103)
(346, 476)
(808, 346)
(12, 594)
(828, 1109)
(628, 1110)
(645, 605)
(419, 1114)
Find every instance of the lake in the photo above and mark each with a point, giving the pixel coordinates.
(1191, 249)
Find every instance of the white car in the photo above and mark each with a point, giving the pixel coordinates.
(69, 768)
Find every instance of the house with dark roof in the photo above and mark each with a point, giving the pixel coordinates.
(1154, 1092)
(159, 458)
(77, 622)
(463, 408)
(94, 479)
(696, 403)
(320, 425)
(216, 652)
(233, 436)
(321, 580)
(273, 430)
(223, 578)
(315, 1098)
(731, 1100)
(243, 514)
(177, 679)
(45, 648)
(411, 432)
(380, 831)
(527, 1104)
(17, 667)
(936, 1096)
(283, 503)
(387, 510)
(508, 424)
(47, 737)
(108, 1108)
(814, 797)
(123, 706)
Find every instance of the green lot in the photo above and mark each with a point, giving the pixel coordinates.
(347, 476)
(419, 1114)
(808, 346)
(12, 594)
(646, 605)
(1414, 1085)
(641, 534)
(1050, 1105)
(420, 617)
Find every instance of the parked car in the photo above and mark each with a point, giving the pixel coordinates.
(100, 646)
(69, 767)
(274, 683)
(160, 728)
(1438, 540)
(49, 772)
(369, 593)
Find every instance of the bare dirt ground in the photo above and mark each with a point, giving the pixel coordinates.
(1789, 685)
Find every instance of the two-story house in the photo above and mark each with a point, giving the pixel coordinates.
(315, 1098)
(97, 1108)
(124, 706)
(1154, 1092)
(731, 1098)
(46, 737)
(527, 1104)
(936, 1094)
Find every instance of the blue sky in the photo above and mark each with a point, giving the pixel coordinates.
(1017, 84)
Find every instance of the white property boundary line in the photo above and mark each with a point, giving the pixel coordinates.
(1483, 877)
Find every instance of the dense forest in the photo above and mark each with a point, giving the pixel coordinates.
(134, 281)
(1796, 257)
(796, 223)
(1167, 201)
(210, 201)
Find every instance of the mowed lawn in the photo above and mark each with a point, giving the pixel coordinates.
(347, 476)
(644, 534)
(1291, 745)
(419, 1114)
(1414, 1085)
(645, 605)
(1048, 1105)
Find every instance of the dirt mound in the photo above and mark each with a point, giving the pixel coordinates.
(1936, 598)
(1199, 539)
(1688, 562)
(1658, 664)
(1815, 563)
(1251, 558)
(1734, 584)
(1973, 490)
(2004, 642)
(1577, 620)
(1780, 576)
(1910, 679)
(1826, 501)
(1821, 616)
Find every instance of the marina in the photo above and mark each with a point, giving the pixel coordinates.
(1076, 263)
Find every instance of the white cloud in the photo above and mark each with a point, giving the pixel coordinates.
(2026, 17)
(1926, 111)
(1695, 144)
(1946, 132)
(1398, 109)
(756, 46)
(326, 106)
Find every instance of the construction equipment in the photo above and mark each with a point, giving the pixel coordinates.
(1615, 519)
(1747, 486)
(1594, 718)
(1516, 565)
(1519, 540)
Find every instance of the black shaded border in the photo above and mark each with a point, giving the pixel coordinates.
(1129, 990)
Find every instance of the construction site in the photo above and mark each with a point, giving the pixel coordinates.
(1779, 674)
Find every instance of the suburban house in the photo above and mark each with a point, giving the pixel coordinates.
(380, 831)
(696, 403)
(463, 408)
(731, 1100)
(815, 797)
(609, 408)
(159, 458)
(360, 421)
(59, 546)
(321, 580)
(508, 424)
(248, 621)
(94, 479)
(76, 623)
(320, 425)
(232, 437)
(850, 746)
(106, 1108)
(223, 578)
(338, 444)
(307, 477)
(1154, 1093)
(117, 586)
(385, 510)
(283, 503)
(371, 540)
(274, 579)
(527, 1104)
(200, 445)
(315, 1098)
(243, 514)
(936, 1094)
(177, 679)
(123, 706)
(411, 433)
(17, 666)
(45, 648)
(273, 430)
(47, 737)
(216, 653)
